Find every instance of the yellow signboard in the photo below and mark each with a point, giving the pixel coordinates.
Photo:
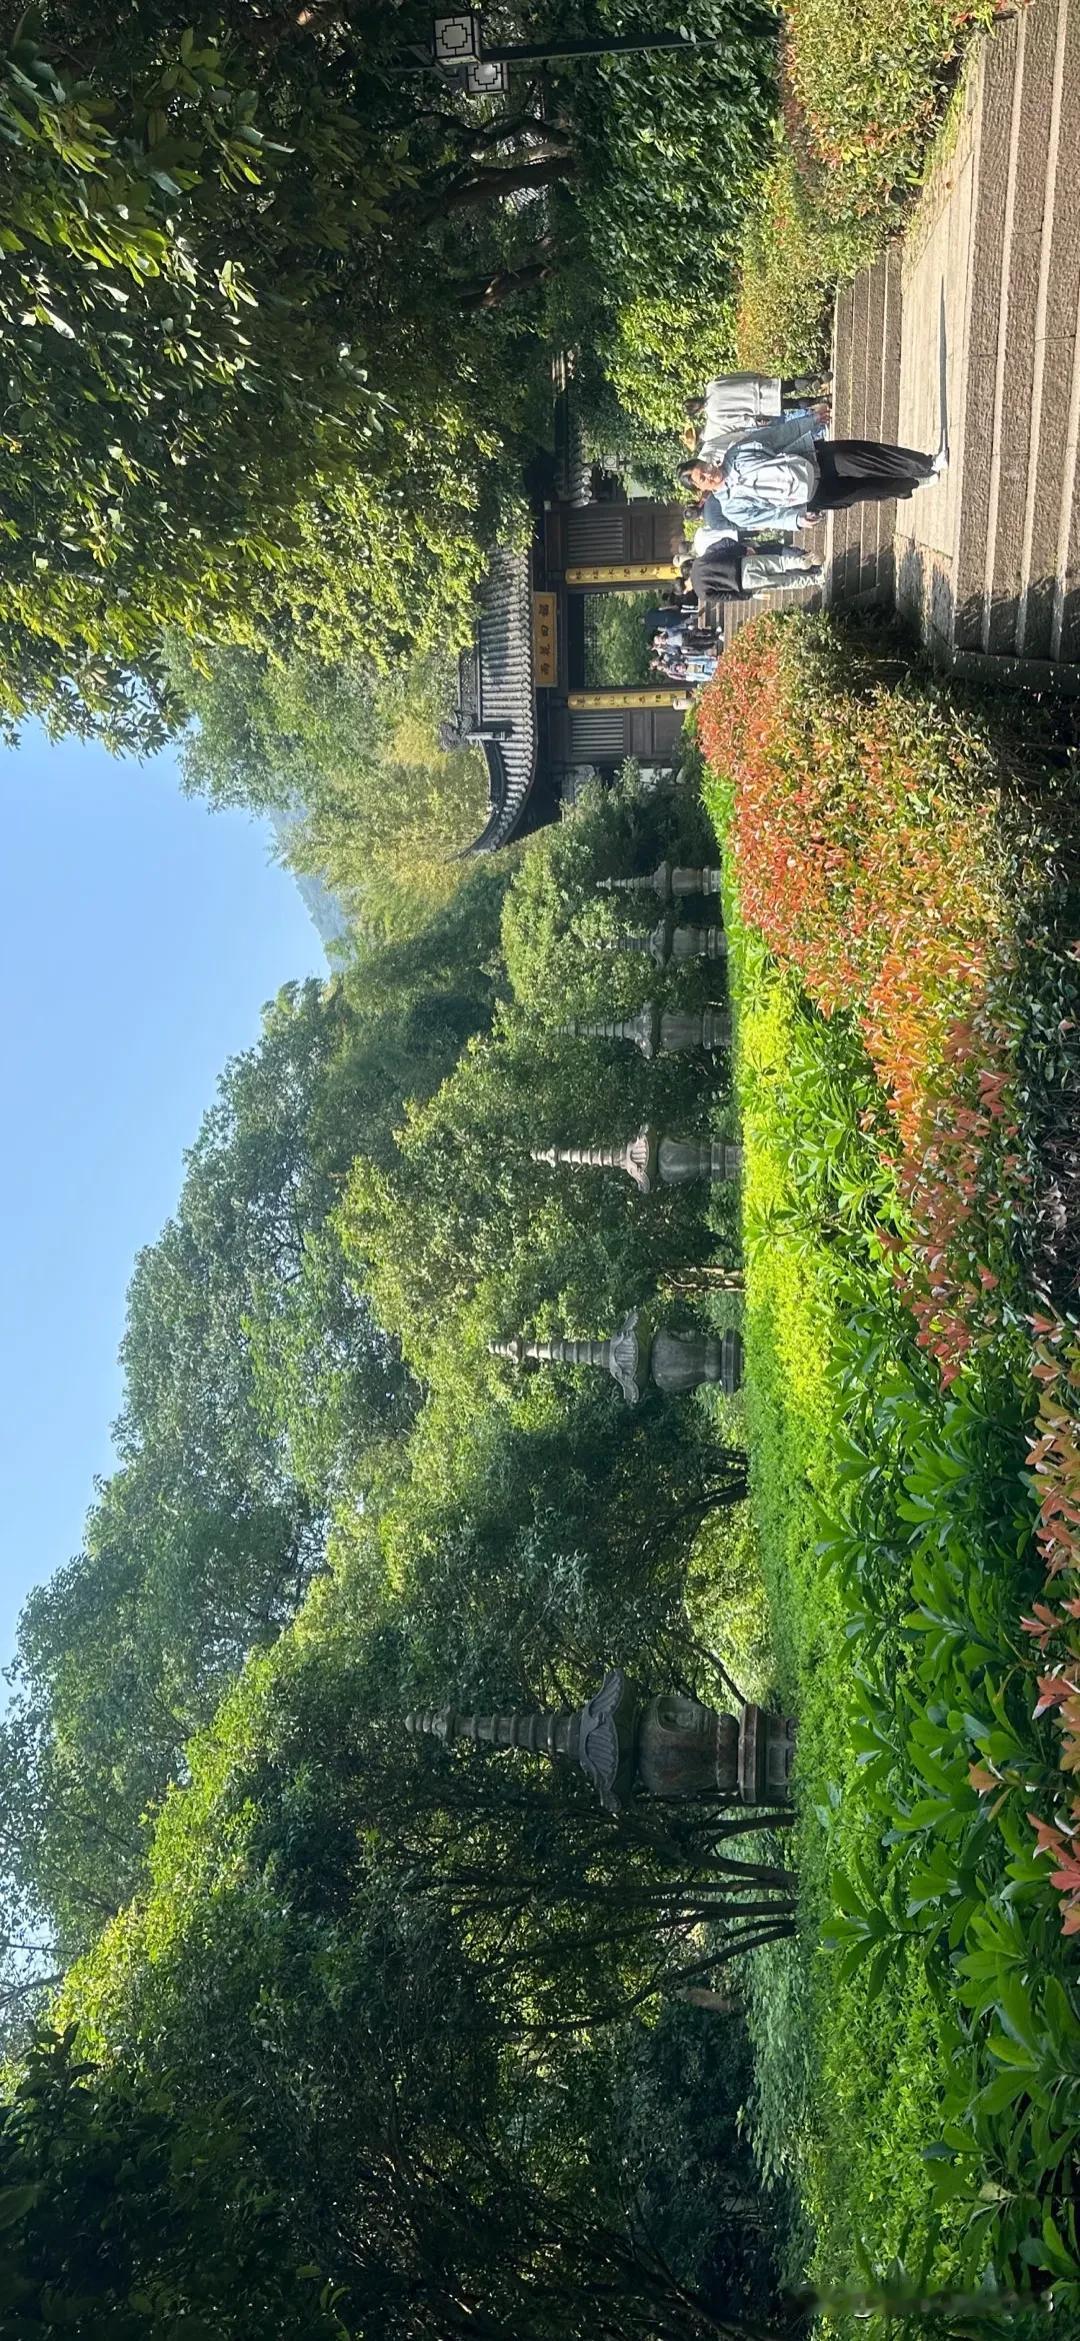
(624, 573)
(545, 641)
(634, 696)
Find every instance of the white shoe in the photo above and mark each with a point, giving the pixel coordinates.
(940, 462)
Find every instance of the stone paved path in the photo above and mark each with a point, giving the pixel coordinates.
(986, 560)
(976, 319)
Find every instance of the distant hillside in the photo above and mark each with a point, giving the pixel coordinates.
(323, 908)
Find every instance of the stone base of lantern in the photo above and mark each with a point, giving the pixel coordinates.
(681, 1161)
(686, 1749)
(696, 943)
(682, 1361)
(766, 1753)
(687, 1028)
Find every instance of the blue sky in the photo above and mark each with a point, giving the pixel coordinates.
(139, 937)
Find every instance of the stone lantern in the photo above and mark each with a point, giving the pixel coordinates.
(666, 881)
(674, 1362)
(669, 1031)
(675, 1162)
(667, 1747)
(670, 945)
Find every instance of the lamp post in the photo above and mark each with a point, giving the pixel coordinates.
(629, 1745)
(669, 1029)
(458, 49)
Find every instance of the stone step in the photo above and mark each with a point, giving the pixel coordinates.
(1022, 407)
(844, 389)
(1061, 359)
(1018, 457)
(866, 372)
(1051, 456)
(843, 346)
(846, 558)
(866, 515)
(995, 191)
(988, 565)
(882, 517)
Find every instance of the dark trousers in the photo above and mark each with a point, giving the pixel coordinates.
(863, 471)
(716, 575)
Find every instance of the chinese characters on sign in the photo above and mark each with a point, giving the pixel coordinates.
(635, 695)
(545, 644)
(624, 573)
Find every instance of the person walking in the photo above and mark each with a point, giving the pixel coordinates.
(764, 479)
(666, 618)
(731, 571)
(785, 474)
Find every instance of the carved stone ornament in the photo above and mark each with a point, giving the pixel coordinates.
(676, 1162)
(670, 1746)
(671, 1030)
(606, 1739)
(628, 1358)
(667, 881)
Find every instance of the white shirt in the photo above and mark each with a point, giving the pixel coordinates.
(738, 402)
(705, 536)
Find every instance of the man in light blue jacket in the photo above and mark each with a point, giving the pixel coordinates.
(784, 473)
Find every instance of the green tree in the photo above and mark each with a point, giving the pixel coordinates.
(122, 2212)
(616, 649)
(240, 276)
(255, 1379)
(259, 1397)
(351, 757)
(391, 1959)
(559, 928)
(465, 1215)
(543, 1535)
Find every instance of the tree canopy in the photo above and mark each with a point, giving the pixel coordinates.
(277, 315)
(239, 271)
(349, 759)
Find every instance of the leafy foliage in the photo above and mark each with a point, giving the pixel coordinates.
(890, 1396)
(669, 149)
(121, 2211)
(227, 354)
(865, 108)
(397, 1994)
(349, 760)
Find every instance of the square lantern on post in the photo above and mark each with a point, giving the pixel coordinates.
(484, 78)
(455, 40)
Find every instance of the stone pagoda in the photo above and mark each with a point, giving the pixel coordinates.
(649, 1159)
(673, 1362)
(627, 1745)
(667, 881)
(667, 1031)
(668, 944)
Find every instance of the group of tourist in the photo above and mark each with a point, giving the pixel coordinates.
(761, 463)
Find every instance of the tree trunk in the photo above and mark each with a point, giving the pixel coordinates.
(506, 284)
(492, 186)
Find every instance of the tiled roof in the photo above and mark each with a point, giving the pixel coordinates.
(573, 466)
(503, 663)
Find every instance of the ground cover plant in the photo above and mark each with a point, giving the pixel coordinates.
(902, 902)
(864, 93)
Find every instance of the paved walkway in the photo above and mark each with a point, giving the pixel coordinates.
(974, 323)
(986, 560)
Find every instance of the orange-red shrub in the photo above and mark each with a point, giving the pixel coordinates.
(866, 841)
